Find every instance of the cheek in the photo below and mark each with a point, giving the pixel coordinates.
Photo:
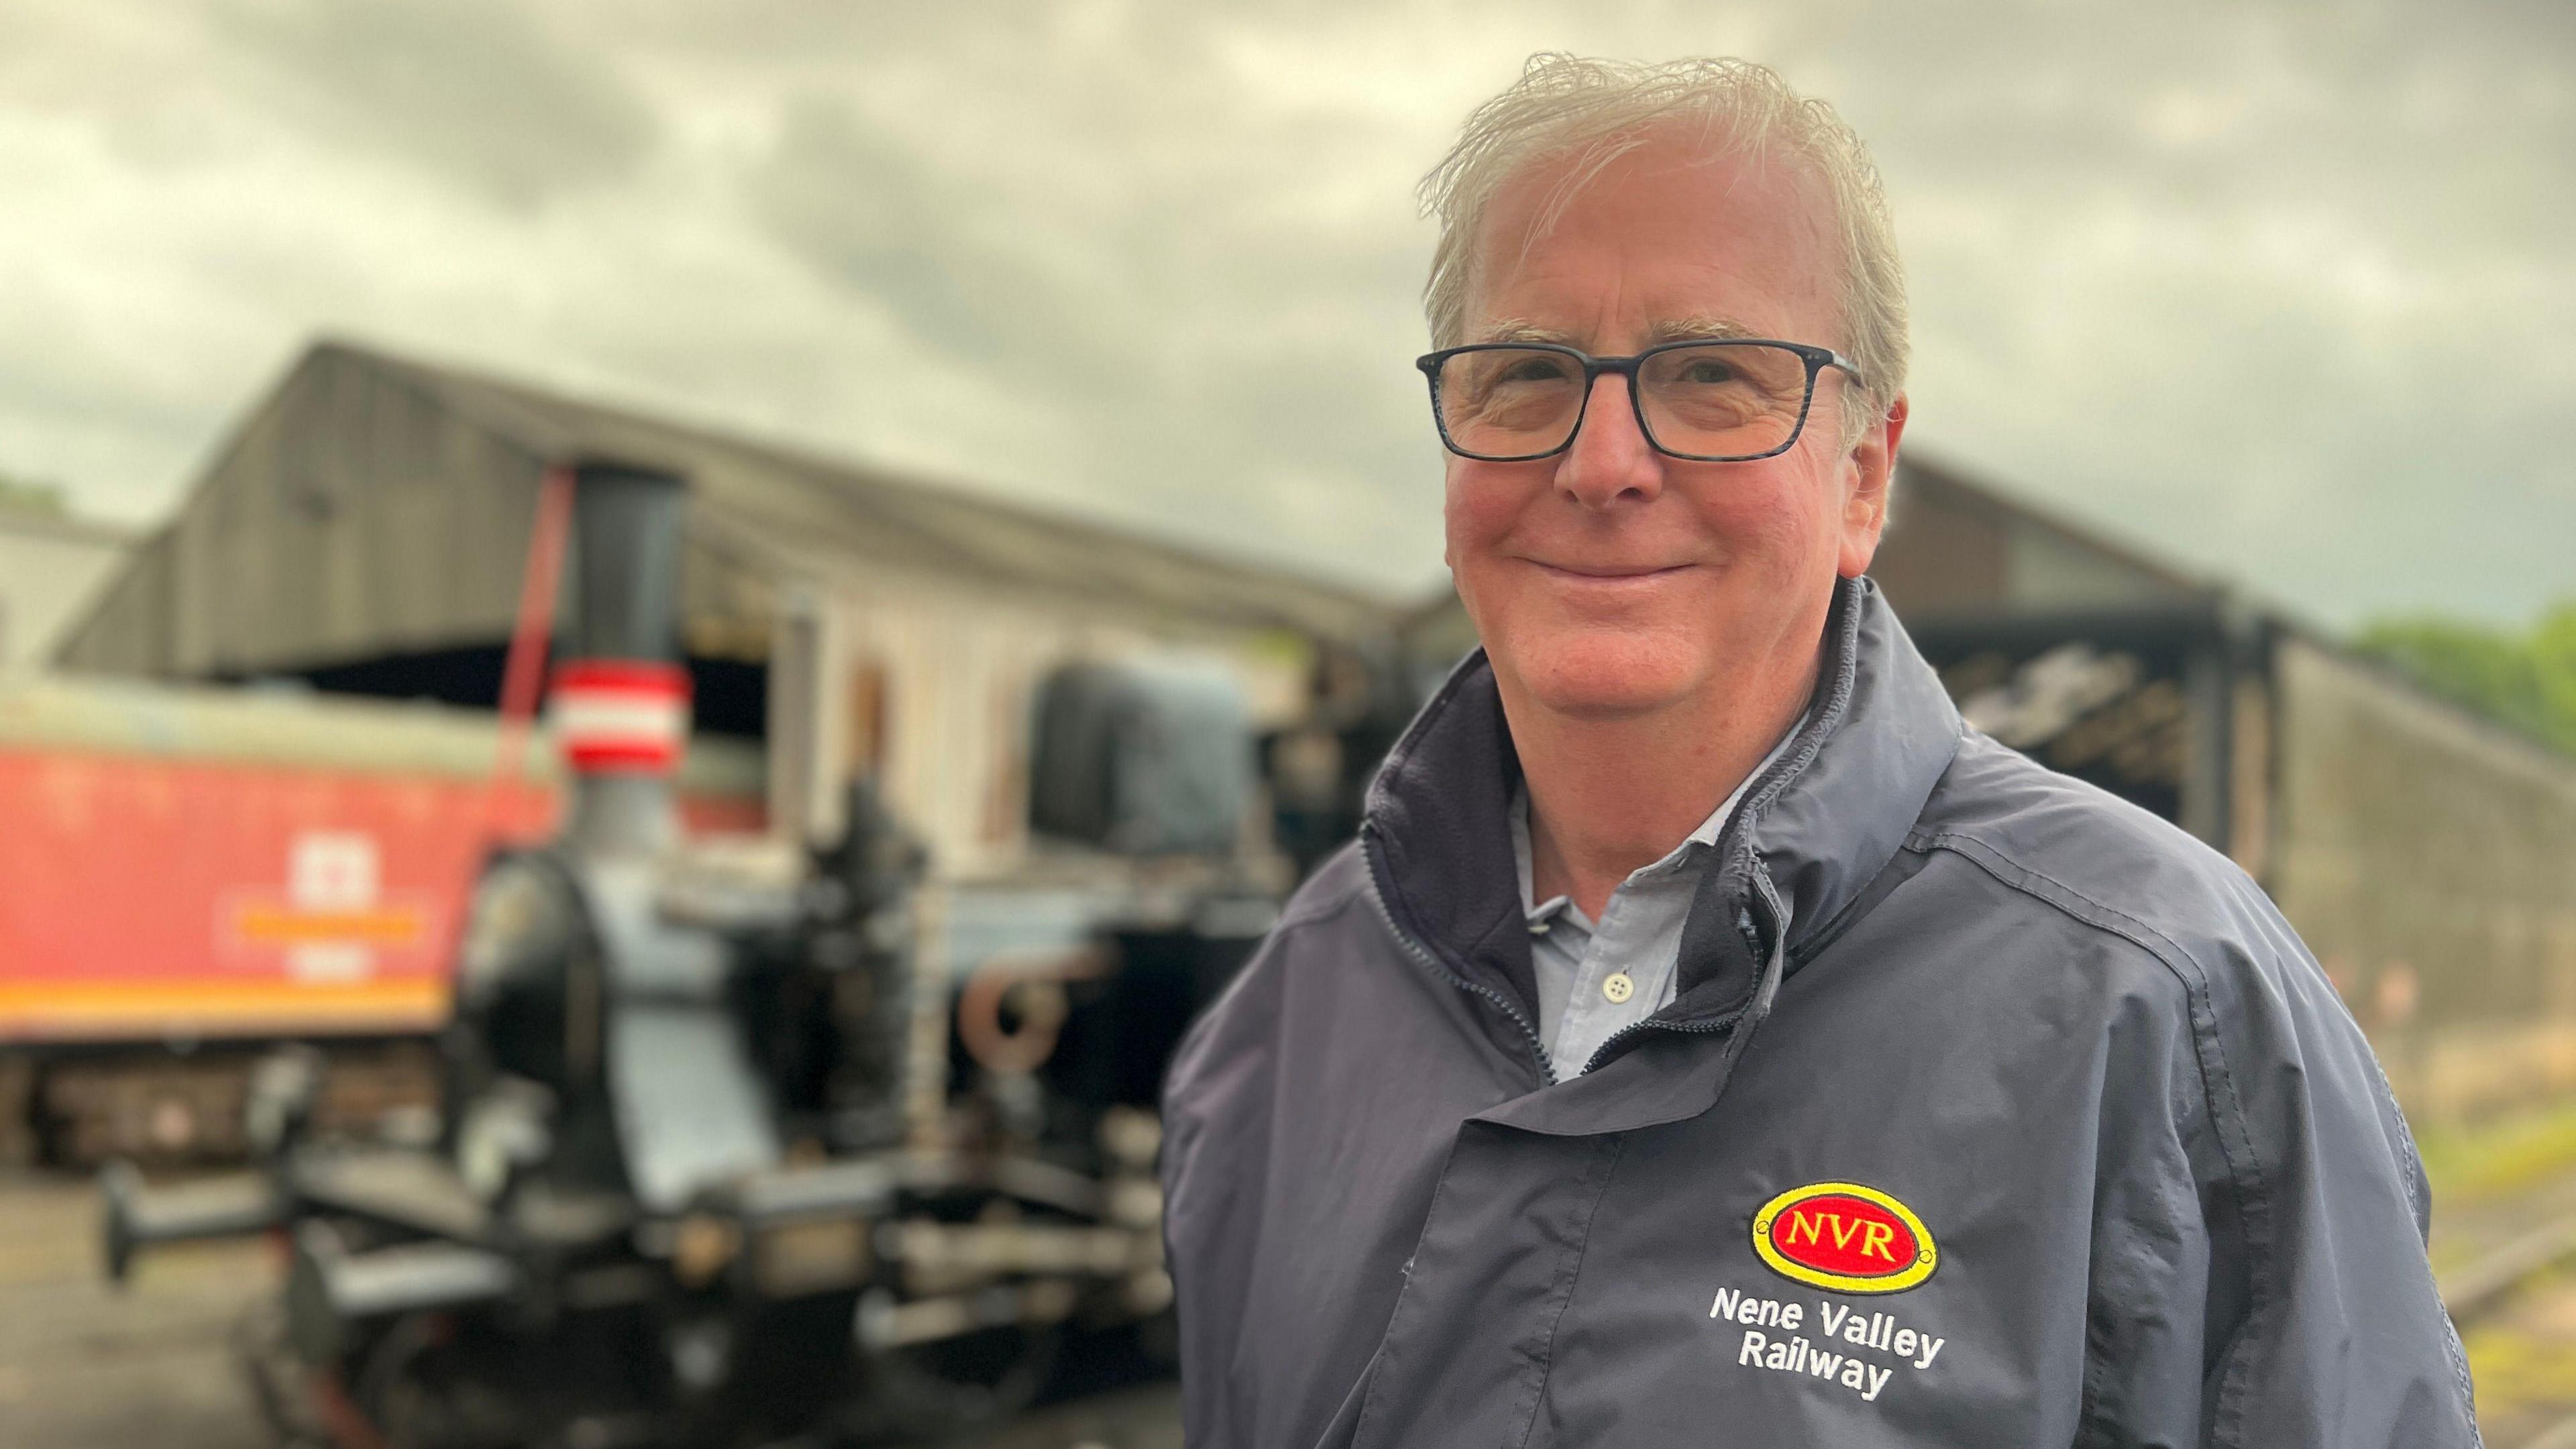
(1788, 516)
(1477, 510)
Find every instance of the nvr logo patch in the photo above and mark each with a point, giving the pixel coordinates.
(1844, 1237)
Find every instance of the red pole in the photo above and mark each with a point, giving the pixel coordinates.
(524, 673)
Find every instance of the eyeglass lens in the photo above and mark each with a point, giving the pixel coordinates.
(1714, 400)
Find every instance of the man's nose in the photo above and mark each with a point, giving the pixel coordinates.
(1610, 459)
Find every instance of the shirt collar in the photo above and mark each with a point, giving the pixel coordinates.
(1541, 913)
(1813, 829)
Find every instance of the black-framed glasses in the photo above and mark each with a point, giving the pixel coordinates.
(1727, 401)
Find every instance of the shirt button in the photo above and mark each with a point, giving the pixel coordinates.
(1618, 988)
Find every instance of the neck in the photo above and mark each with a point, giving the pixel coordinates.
(1609, 796)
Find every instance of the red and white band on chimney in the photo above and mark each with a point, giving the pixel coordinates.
(621, 716)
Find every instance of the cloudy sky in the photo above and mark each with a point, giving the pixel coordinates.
(2285, 292)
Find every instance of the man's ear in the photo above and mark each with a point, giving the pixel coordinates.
(1871, 469)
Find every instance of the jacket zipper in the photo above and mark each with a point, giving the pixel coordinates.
(1700, 1024)
(1703, 1024)
(1421, 953)
(1763, 788)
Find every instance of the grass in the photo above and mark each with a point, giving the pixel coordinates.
(2498, 1158)
(2518, 1371)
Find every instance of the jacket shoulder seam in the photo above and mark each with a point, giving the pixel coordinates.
(1315, 914)
(2218, 1084)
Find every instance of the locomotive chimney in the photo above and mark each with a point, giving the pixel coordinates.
(621, 697)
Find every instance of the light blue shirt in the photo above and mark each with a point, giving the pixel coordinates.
(1637, 940)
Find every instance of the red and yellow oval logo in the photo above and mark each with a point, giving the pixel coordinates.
(1846, 1237)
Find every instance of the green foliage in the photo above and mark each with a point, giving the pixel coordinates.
(2526, 679)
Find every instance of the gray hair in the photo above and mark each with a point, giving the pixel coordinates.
(1597, 110)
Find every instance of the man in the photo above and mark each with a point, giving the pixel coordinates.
(1709, 1040)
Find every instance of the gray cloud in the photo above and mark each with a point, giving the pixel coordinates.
(474, 91)
(965, 273)
(2286, 292)
(2289, 296)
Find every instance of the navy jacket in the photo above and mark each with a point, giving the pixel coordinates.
(2037, 1127)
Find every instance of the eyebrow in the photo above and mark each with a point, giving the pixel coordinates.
(1696, 328)
(1699, 329)
(1512, 331)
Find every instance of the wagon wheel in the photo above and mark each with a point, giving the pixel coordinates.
(420, 1391)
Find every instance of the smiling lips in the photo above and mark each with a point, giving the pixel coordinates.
(1607, 573)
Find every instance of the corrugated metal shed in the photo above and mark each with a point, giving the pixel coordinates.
(1955, 548)
(2429, 859)
(373, 505)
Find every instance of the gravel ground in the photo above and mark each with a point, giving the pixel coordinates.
(83, 1366)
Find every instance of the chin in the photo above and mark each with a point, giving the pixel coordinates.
(1604, 675)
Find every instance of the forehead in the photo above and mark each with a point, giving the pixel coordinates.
(1670, 237)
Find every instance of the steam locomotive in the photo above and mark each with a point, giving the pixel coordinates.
(725, 1155)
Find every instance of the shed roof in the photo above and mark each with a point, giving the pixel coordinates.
(374, 504)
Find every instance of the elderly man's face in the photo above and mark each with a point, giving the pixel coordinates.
(1612, 580)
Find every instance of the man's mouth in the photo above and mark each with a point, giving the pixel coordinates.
(1608, 573)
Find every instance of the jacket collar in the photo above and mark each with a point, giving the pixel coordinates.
(1816, 825)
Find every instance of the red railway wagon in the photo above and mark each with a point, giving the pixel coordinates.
(191, 875)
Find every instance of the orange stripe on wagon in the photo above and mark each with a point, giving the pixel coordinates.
(56, 1010)
(272, 925)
